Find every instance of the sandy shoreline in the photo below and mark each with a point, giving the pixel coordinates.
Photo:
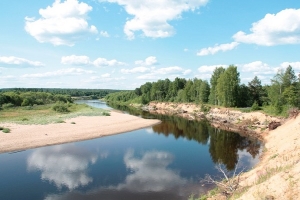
(24, 137)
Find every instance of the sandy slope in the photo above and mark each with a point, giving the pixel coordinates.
(31, 136)
(278, 173)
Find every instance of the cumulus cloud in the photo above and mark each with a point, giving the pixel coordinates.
(85, 61)
(155, 73)
(107, 75)
(151, 60)
(100, 62)
(64, 165)
(217, 48)
(135, 70)
(62, 72)
(258, 67)
(63, 23)
(12, 61)
(104, 34)
(208, 68)
(273, 29)
(294, 65)
(152, 16)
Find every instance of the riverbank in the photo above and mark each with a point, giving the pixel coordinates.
(252, 124)
(277, 176)
(80, 128)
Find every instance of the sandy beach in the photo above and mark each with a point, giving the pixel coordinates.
(24, 137)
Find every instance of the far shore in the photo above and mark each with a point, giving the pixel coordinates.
(81, 128)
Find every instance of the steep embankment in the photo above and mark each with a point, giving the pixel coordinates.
(277, 176)
(252, 124)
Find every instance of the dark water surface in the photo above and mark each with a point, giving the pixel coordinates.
(165, 161)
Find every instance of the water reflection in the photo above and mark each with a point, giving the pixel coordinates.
(149, 178)
(150, 173)
(63, 165)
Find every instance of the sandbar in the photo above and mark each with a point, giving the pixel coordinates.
(81, 128)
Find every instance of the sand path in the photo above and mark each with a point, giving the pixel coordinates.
(24, 137)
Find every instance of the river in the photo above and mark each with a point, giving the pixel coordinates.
(165, 161)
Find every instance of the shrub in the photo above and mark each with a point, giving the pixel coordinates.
(7, 105)
(204, 108)
(255, 106)
(61, 107)
(6, 130)
(106, 114)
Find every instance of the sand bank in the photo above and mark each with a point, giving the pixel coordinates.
(24, 137)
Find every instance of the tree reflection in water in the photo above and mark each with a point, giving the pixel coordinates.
(224, 146)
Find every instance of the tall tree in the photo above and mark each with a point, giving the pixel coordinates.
(228, 87)
(213, 97)
(256, 91)
(289, 77)
(204, 92)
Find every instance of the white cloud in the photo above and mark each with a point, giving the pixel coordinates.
(12, 61)
(294, 65)
(75, 60)
(274, 29)
(151, 60)
(156, 73)
(85, 61)
(62, 72)
(63, 23)
(101, 62)
(187, 72)
(152, 16)
(169, 70)
(107, 75)
(217, 48)
(135, 70)
(71, 170)
(258, 67)
(104, 34)
(209, 68)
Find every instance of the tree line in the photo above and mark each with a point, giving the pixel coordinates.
(17, 98)
(92, 93)
(223, 89)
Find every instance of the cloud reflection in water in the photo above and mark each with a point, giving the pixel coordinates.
(150, 173)
(149, 178)
(63, 165)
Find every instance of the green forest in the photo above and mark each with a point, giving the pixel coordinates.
(13, 97)
(223, 89)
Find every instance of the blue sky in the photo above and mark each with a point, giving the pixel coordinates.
(121, 44)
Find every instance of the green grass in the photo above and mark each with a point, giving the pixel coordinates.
(6, 130)
(44, 114)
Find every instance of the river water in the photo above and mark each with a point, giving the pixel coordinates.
(165, 161)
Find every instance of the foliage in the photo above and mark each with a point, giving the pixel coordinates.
(5, 130)
(255, 106)
(61, 107)
(92, 93)
(7, 105)
(227, 87)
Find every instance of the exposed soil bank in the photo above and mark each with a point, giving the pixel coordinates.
(277, 176)
(251, 124)
(24, 137)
